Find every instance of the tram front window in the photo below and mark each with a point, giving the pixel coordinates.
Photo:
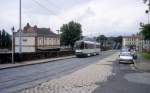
(80, 45)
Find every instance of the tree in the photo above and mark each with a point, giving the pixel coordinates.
(118, 39)
(3, 38)
(145, 1)
(71, 32)
(145, 31)
(102, 39)
(8, 41)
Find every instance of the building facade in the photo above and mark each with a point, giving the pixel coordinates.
(36, 39)
(132, 41)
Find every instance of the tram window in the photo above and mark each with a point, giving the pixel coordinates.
(79, 45)
(82, 45)
(86, 46)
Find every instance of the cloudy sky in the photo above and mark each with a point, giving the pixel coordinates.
(108, 17)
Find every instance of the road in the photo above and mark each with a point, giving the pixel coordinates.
(127, 79)
(16, 79)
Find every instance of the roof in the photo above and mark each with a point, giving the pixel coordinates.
(134, 36)
(90, 42)
(44, 31)
(35, 31)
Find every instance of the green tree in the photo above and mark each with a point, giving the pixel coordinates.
(71, 32)
(118, 39)
(145, 30)
(102, 39)
(145, 1)
(8, 41)
(3, 38)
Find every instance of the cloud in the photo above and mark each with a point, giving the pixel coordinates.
(108, 17)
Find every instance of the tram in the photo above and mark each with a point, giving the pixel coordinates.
(86, 48)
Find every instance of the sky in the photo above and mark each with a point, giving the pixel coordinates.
(108, 17)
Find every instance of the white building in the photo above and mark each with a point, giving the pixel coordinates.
(132, 41)
(35, 39)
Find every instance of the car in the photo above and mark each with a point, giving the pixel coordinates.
(124, 50)
(126, 57)
(131, 51)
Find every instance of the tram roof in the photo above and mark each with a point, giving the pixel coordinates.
(91, 42)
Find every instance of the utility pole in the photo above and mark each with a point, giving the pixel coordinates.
(58, 35)
(12, 49)
(20, 30)
(147, 11)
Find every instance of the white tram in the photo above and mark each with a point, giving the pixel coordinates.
(86, 48)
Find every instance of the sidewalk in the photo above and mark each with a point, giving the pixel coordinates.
(142, 64)
(33, 62)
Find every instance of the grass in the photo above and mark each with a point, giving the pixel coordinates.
(145, 55)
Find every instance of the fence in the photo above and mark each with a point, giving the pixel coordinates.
(6, 57)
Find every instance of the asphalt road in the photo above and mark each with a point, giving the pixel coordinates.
(16, 79)
(126, 79)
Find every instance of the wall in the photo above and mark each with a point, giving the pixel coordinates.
(28, 44)
(48, 42)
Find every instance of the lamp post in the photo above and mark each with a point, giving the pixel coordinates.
(58, 36)
(20, 31)
(12, 49)
(147, 12)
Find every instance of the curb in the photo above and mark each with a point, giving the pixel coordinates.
(42, 62)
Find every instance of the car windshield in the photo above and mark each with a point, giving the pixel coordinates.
(125, 54)
(124, 50)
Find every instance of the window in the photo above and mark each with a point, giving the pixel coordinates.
(79, 45)
(24, 40)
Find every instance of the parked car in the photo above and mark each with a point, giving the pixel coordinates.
(131, 51)
(126, 57)
(124, 50)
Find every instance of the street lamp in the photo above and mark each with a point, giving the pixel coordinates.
(20, 32)
(58, 36)
(12, 49)
(147, 12)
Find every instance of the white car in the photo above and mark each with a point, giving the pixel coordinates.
(126, 57)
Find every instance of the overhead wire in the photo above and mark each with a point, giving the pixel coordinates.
(42, 6)
(54, 5)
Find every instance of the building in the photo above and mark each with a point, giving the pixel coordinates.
(36, 39)
(132, 41)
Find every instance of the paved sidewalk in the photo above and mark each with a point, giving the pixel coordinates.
(142, 64)
(33, 62)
